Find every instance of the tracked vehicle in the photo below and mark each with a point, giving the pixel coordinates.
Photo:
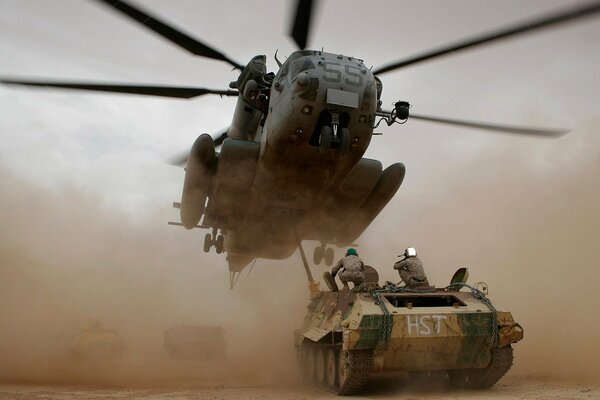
(195, 342)
(92, 341)
(454, 331)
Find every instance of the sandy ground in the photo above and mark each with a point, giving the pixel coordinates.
(508, 389)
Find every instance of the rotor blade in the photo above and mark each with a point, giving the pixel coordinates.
(540, 132)
(176, 36)
(163, 91)
(567, 15)
(301, 26)
(180, 159)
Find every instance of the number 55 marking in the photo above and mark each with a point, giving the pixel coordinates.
(333, 73)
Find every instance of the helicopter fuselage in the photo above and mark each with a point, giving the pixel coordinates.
(294, 165)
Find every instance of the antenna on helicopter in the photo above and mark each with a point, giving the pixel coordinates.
(279, 63)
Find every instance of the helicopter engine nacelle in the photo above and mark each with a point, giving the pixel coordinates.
(386, 187)
(246, 117)
(199, 172)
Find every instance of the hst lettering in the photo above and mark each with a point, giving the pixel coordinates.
(424, 325)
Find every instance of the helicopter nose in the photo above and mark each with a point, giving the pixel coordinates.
(344, 98)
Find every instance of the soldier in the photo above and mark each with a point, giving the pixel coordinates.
(411, 269)
(353, 269)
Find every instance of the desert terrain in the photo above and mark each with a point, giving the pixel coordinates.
(67, 268)
(85, 197)
(508, 389)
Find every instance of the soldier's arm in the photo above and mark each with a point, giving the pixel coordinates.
(400, 265)
(337, 267)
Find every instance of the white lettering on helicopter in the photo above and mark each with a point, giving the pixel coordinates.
(333, 73)
(424, 325)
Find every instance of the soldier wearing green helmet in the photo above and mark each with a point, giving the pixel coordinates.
(352, 268)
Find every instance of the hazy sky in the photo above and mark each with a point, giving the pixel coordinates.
(114, 145)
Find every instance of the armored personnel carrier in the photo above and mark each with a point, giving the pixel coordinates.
(93, 341)
(195, 342)
(456, 331)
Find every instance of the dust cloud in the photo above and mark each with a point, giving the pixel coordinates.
(66, 259)
(529, 228)
(525, 218)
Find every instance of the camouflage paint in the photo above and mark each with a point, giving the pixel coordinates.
(422, 338)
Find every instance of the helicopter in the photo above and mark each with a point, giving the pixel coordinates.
(291, 167)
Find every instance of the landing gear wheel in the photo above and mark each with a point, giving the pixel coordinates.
(320, 370)
(329, 256)
(318, 255)
(344, 141)
(325, 139)
(207, 242)
(331, 376)
(220, 244)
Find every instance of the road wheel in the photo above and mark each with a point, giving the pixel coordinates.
(310, 363)
(331, 370)
(457, 378)
(207, 242)
(302, 358)
(220, 244)
(320, 366)
(318, 255)
(329, 256)
(325, 139)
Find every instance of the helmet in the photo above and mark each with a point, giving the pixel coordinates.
(410, 252)
(351, 252)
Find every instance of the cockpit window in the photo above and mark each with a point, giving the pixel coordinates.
(302, 64)
(301, 53)
(284, 70)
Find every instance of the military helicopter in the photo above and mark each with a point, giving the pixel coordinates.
(290, 167)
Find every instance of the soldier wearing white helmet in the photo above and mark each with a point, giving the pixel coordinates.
(411, 269)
